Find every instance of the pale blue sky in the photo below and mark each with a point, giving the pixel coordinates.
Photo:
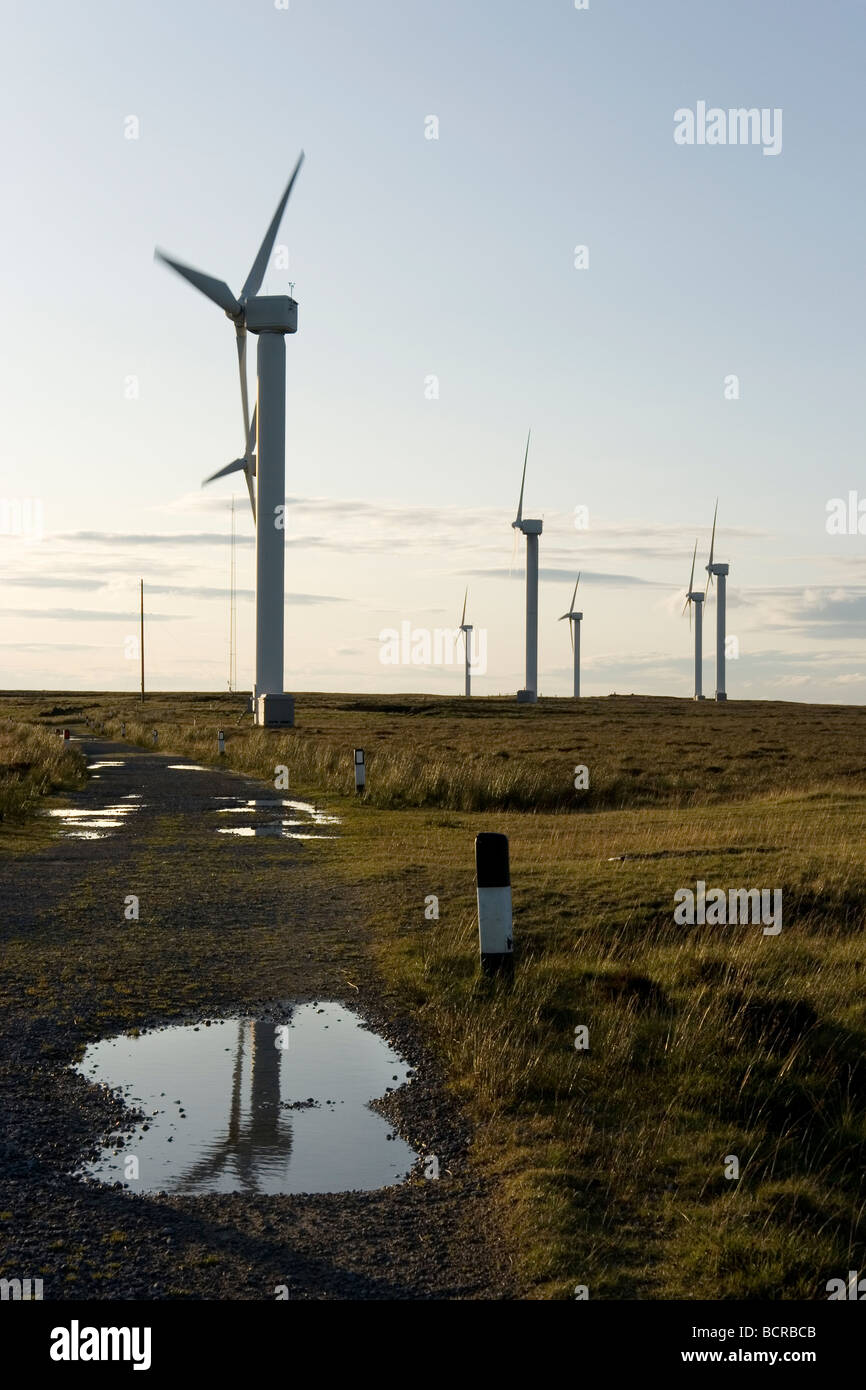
(453, 257)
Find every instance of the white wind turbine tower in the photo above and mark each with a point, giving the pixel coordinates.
(466, 629)
(271, 317)
(574, 620)
(721, 573)
(696, 597)
(531, 530)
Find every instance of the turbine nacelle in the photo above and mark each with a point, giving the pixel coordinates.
(718, 569)
(695, 596)
(529, 528)
(271, 313)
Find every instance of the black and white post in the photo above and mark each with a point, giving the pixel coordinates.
(360, 770)
(221, 742)
(495, 921)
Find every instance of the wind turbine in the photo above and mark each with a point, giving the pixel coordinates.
(574, 629)
(466, 629)
(721, 573)
(696, 597)
(531, 530)
(271, 317)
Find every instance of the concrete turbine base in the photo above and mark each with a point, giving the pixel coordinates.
(275, 711)
(527, 697)
(720, 695)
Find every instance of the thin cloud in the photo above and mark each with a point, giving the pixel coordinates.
(95, 615)
(612, 581)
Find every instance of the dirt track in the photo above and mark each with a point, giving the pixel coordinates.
(226, 925)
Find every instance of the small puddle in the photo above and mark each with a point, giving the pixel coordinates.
(230, 1108)
(269, 825)
(188, 767)
(276, 829)
(94, 767)
(77, 823)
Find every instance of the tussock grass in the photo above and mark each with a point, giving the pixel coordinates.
(34, 764)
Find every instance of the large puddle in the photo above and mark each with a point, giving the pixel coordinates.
(243, 1106)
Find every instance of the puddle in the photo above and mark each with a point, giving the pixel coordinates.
(96, 824)
(187, 767)
(94, 767)
(229, 1110)
(275, 827)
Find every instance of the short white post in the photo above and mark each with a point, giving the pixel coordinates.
(360, 770)
(221, 742)
(495, 921)
(123, 731)
(155, 735)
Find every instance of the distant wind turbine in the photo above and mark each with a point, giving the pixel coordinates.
(466, 629)
(271, 317)
(531, 530)
(721, 573)
(696, 597)
(574, 620)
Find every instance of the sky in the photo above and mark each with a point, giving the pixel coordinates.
(707, 342)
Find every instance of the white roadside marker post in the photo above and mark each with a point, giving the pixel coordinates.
(221, 742)
(495, 921)
(123, 731)
(155, 736)
(360, 770)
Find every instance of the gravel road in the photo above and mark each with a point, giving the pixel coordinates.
(227, 926)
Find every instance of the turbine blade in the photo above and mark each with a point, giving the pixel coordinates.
(574, 595)
(249, 429)
(579, 573)
(713, 537)
(692, 577)
(563, 618)
(235, 466)
(571, 633)
(216, 290)
(253, 281)
(523, 480)
(465, 597)
(241, 344)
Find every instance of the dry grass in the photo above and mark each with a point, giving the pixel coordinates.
(34, 763)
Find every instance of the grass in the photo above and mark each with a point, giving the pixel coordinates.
(706, 1043)
(34, 764)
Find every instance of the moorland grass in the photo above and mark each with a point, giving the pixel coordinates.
(34, 764)
(707, 1044)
